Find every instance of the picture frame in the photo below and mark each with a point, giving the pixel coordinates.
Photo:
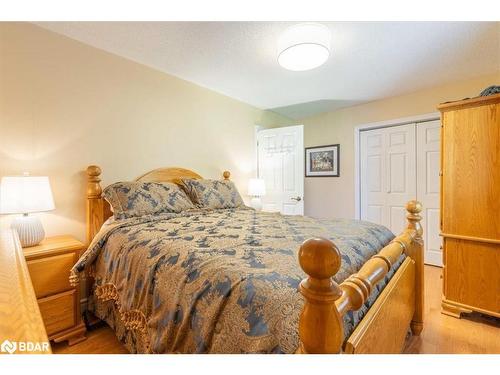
(322, 161)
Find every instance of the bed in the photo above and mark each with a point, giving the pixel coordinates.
(240, 281)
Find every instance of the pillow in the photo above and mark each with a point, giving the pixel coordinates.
(133, 199)
(212, 194)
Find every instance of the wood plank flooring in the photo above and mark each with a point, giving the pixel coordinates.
(443, 334)
(474, 333)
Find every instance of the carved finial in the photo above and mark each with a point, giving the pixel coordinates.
(93, 170)
(414, 208)
(320, 260)
(226, 175)
(94, 189)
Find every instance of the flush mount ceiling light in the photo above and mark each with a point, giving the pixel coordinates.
(304, 46)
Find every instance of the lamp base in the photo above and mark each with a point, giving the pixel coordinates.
(29, 230)
(256, 203)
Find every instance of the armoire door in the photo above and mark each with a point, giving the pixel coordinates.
(388, 174)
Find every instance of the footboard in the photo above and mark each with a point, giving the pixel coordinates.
(321, 322)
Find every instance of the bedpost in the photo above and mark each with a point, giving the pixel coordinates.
(321, 325)
(416, 252)
(226, 175)
(95, 209)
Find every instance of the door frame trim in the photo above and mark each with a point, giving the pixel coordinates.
(357, 147)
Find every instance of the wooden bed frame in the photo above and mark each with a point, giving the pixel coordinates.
(384, 327)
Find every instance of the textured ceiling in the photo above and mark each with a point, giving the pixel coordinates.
(369, 60)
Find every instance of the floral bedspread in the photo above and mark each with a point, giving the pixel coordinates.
(215, 281)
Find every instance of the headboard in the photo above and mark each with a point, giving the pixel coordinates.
(98, 209)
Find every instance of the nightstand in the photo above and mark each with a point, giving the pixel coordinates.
(49, 264)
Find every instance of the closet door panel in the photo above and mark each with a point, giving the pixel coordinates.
(401, 173)
(373, 164)
(428, 167)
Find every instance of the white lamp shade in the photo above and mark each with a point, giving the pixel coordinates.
(256, 187)
(25, 194)
(304, 46)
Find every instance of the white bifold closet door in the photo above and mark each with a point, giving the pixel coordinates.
(428, 167)
(388, 175)
(398, 164)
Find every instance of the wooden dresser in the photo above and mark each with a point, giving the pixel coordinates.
(470, 205)
(49, 264)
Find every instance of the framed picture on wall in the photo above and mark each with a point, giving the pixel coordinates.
(323, 161)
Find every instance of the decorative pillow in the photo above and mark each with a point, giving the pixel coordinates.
(132, 199)
(212, 193)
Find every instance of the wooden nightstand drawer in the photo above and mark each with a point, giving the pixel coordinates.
(58, 311)
(49, 264)
(51, 275)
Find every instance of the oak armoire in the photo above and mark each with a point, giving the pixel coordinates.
(470, 205)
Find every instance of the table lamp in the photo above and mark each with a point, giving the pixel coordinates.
(256, 189)
(25, 195)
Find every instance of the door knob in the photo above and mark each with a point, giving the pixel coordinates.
(298, 199)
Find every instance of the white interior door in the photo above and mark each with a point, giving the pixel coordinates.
(388, 174)
(428, 166)
(280, 155)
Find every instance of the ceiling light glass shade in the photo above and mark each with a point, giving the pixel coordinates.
(25, 194)
(304, 46)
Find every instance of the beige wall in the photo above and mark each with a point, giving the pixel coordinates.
(334, 196)
(64, 105)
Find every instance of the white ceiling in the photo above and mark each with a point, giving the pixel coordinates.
(369, 60)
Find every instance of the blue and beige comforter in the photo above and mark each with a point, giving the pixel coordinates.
(217, 281)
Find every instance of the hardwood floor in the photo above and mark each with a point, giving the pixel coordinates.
(442, 334)
(100, 340)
